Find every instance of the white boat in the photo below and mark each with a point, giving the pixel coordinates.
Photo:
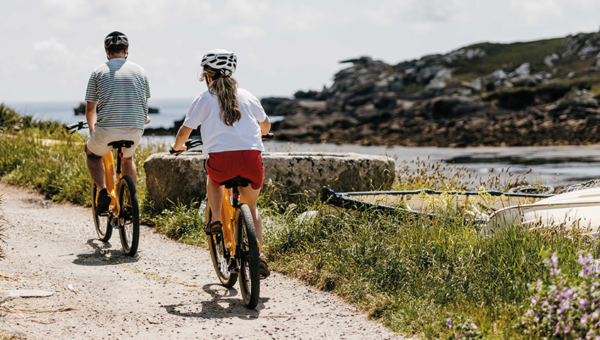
(578, 209)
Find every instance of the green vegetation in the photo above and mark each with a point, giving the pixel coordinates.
(411, 274)
(508, 57)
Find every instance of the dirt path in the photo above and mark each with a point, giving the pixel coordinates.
(169, 290)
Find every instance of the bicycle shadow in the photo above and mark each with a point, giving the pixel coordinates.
(221, 305)
(103, 255)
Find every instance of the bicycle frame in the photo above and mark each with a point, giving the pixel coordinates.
(229, 217)
(112, 178)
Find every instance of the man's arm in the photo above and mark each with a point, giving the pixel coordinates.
(265, 126)
(148, 119)
(90, 115)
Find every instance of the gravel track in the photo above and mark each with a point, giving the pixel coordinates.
(169, 290)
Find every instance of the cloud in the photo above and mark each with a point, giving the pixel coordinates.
(241, 32)
(247, 10)
(532, 10)
(299, 18)
(136, 14)
(55, 53)
(423, 13)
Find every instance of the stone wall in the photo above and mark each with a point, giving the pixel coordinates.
(183, 178)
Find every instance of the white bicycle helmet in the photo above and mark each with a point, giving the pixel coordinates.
(220, 60)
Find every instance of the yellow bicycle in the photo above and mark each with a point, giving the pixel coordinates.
(123, 212)
(235, 250)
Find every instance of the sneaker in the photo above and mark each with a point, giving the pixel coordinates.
(263, 268)
(103, 202)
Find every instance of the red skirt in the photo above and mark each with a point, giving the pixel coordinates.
(223, 166)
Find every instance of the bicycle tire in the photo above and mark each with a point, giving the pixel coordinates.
(104, 233)
(129, 217)
(249, 276)
(216, 246)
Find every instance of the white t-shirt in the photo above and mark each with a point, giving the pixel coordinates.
(217, 137)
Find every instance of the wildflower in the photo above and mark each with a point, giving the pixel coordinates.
(583, 319)
(583, 303)
(449, 323)
(595, 314)
(554, 260)
(474, 326)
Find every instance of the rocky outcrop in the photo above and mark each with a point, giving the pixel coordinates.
(183, 177)
(420, 102)
(80, 110)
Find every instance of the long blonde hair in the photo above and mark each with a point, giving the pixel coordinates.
(224, 87)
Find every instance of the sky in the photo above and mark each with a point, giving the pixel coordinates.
(48, 48)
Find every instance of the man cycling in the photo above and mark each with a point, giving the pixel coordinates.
(117, 109)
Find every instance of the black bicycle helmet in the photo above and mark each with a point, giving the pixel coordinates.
(116, 38)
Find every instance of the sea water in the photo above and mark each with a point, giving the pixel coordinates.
(560, 165)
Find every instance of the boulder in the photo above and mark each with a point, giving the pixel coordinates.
(523, 70)
(269, 104)
(550, 60)
(183, 178)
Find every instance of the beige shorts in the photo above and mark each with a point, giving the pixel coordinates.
(100, 137)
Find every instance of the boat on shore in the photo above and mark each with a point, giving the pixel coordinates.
(494, 210)
(478, 205)
(577, 209)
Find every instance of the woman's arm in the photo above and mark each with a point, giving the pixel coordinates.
(265, 126)
(182, 136)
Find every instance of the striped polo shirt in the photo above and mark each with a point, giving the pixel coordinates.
(120, 88)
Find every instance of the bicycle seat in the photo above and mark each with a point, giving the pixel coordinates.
(121, 143)
(236, 182)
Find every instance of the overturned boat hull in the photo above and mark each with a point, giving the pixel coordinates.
(578, 209)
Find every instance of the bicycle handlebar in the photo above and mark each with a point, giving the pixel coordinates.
(76, 126)
(192, 143)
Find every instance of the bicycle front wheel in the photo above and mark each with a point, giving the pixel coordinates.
(103, 224)
(129, 217)
(218, 254)
(249, 276)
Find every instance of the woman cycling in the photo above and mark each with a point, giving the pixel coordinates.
(232, 122)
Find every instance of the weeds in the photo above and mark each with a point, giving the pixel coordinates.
(419, 174)
(411, 274)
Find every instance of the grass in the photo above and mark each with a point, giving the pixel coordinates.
(507, 57)
(410, 274)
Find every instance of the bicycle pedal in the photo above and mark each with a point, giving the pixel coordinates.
(233, 269)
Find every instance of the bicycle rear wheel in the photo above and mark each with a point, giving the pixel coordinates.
(103, 224)
(129, 218)
(216, 246)
(249, 276)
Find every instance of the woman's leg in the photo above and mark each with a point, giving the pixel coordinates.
(250, 196)
(215, 199)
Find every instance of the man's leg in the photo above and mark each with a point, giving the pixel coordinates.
(128, 168)
(96, 168)
(215, 199)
